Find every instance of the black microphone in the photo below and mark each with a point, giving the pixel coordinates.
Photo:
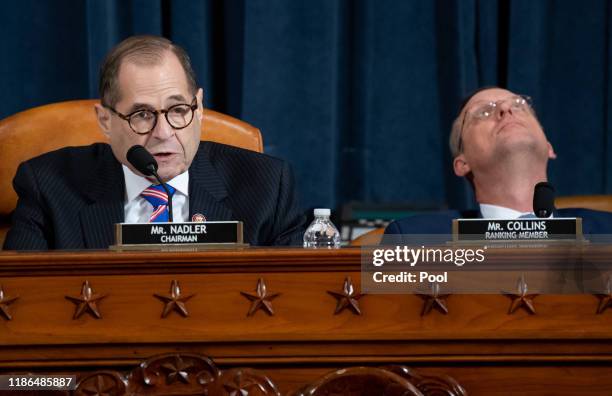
(543, 199)
(144, 163)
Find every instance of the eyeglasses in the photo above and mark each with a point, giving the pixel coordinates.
(517, 103)
(142, 122)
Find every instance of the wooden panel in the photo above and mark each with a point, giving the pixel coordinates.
(559, 349)
(487, 381)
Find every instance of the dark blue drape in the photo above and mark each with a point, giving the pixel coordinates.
(358, 95)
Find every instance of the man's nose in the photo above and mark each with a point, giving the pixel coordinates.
(504, 108)
(163, 130)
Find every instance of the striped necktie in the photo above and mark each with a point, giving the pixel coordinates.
(156, 196)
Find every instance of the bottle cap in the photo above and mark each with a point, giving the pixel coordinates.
(322, 212)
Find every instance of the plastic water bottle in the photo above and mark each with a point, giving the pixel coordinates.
(322, 233)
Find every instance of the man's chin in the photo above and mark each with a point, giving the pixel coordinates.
(518, 137)
(522, 146)
(167, 174)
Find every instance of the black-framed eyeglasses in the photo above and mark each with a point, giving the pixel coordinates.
(143, 121)
(485, 111)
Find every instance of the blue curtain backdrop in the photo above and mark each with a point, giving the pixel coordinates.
(358, 95)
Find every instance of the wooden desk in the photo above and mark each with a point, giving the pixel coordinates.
(564, 349)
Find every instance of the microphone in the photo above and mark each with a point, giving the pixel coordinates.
(144, 163)
(543, 199)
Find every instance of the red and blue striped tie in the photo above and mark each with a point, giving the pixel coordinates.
(156, 196)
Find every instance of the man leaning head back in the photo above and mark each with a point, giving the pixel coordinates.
(149, 97)
(499, 145)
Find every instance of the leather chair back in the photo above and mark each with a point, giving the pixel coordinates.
(595, 202)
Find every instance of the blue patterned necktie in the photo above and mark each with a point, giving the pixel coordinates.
(156, 196)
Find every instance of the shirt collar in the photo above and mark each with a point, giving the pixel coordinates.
(136, 184)
(500, 212)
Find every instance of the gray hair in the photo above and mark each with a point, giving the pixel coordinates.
(454, 140)
(141, 50)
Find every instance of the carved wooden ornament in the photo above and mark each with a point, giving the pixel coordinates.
(87, 302)
(175, 301)
(192, 374)
(102, 383)
(434, 300)
(348, 298)
(522, 299)
(261, 299)
(605, 298)
(4, 303)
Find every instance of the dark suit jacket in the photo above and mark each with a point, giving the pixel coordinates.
(70, 198)
(593, 222)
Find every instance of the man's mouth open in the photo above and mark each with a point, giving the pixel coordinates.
(163, 156)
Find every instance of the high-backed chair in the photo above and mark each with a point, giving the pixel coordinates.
(41, 129)
(595, 202)
(363, 381)
(370, 238)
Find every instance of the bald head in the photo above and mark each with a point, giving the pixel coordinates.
(494, 125)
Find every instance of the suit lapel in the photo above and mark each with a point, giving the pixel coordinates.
(471, 214)
(105, 190)
(207, 191)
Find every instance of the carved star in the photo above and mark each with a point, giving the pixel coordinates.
(100, 388)
(434, 300)
(4, 303)
(174, 302)
(261, 299)
(347, 298)
(240, 386)
(178, 370)
(522, 299)
(86, 302)
(605, 298)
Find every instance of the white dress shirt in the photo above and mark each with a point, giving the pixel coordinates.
(501, 212)
(139, 210)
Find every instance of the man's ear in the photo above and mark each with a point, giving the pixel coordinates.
(551, 151)
(103, 116)
(200, 100)
(460, 166)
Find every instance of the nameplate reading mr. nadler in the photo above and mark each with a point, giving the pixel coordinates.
(517, 229)
(210, 232)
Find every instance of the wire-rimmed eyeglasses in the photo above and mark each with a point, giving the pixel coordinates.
(485, 111)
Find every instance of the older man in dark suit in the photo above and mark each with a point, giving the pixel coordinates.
(70, 198)
(498, 144)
